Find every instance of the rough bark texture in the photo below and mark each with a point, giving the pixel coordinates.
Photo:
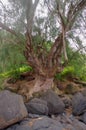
(41, 85)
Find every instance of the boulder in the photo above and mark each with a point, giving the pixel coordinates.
(13, 127)
(33, 115)
(43, 123)
(78, 104)
(78, 125)
(37, 106)
(12, 109)
(54, 102)
(83, 118)
(70, 122)
(67, 101)
(46, 123)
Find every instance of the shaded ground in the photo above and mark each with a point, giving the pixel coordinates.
(24, 86)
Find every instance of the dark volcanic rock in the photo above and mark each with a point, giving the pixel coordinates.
(33, 115)
(67, 101)
(14, 112)
(83, 118)
(46, 123)
(42, 123)
(78, 104)
(37, 106)
(23, 127)
(13, 127)
(54, 102)
(12, 109)
(78, 125)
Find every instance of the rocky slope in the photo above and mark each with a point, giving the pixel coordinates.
(48, 112)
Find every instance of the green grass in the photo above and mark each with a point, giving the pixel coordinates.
(67, 71)
(13, 74)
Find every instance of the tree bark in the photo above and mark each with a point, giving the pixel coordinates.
(42, 84)
(64, 47)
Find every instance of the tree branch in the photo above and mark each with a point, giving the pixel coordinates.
(56, 48)
(8, 29)
(73, 13)
(77, 51)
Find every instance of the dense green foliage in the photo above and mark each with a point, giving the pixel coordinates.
(76, 66)
(11, 52)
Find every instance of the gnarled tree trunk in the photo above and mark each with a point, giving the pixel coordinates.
(42, 84)
(44, 73)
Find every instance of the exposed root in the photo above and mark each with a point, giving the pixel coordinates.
(28, 88)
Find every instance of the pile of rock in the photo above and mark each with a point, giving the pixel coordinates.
(44, 113)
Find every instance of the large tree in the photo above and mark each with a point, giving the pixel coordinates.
(64, 13)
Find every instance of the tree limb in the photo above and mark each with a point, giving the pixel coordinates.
(8, 29)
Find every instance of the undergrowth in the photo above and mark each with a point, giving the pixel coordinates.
(15, 74)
